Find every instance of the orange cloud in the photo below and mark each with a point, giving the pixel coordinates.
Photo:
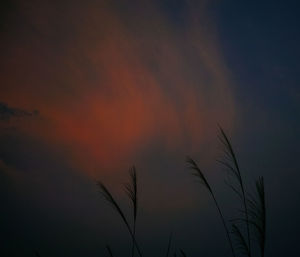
(108, 85)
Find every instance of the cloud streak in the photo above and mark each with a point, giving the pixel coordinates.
(7, 112)
(111, 80)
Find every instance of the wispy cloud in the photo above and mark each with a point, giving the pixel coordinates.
(112, 80)
(7, 112)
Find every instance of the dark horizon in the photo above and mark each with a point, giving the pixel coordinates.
(89, 89)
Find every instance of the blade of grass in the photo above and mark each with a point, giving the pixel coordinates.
(131, 191)
(241, 242)
(257, 213)
(231, 164)
(110, 199)
(183, 253)
(200, 175)
(109, 251)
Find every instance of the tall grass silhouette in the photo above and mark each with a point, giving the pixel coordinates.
(257, 214)
(202, 179)
(231, 164)
(111, 201)
(254, 207)
(257, 219)
(131, 190)
(241, 244)
(253, 213)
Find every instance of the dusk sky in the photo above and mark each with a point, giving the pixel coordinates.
(90, 88)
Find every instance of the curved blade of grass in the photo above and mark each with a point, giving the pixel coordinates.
(109, 251)
(131, 191)
(110, 199)
(183, 253)
(241, 242)
(231, 164)
(257, 213)
(233, 188)
(200, 175)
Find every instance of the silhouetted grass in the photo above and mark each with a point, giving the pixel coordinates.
(253, 213)
(110, 199)
(257, 213)
(109, 251)
(182, 253)
(241, 244)
(230, 162)
(257, 217)
(131, 190)
(199, 174)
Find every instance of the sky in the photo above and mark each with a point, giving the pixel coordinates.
(90, 88)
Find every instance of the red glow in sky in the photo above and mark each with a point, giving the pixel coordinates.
(107, 87)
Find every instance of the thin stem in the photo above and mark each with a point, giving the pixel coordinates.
(200, 175)
(110, 199)
(229, 150)
(247, 216)
(134, 240)
(132, 249)
(224, 224)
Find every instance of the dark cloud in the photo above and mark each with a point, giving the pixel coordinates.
(7, 112)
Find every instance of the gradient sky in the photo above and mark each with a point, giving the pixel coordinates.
(89, 88)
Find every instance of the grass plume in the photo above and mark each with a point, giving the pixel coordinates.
(200, 175)
(257, 213)
(241, 243)
(110, 199)
(253, 213)
(230, 162)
